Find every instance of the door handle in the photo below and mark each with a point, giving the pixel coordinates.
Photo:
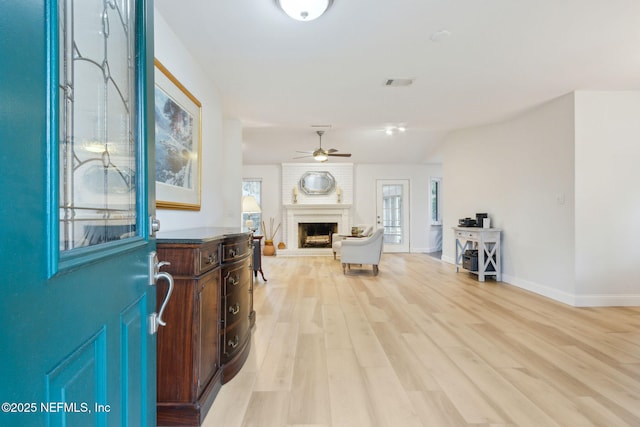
(169, 278)
(155, 274)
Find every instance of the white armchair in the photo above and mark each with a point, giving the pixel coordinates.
(336, 239)
(366, 250)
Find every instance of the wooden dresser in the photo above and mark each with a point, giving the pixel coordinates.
(209, 317)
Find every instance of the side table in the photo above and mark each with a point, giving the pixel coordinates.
(257, 257)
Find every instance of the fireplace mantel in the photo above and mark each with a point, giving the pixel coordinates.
(317, 206)
(294, 214)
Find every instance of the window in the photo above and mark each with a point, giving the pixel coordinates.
(436, 211)
(253, 187)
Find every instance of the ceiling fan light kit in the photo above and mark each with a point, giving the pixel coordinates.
(320, 156)
(304, 10)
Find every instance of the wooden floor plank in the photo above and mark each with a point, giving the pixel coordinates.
(422, 345)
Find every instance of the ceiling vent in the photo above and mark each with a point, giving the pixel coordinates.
(398, 82)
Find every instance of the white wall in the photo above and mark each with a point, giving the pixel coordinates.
(424, 238)
(562, 182)
(231, 181)
(607, 197)
(221, 148)
(521, 173)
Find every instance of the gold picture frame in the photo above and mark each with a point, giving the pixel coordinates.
(178, 143)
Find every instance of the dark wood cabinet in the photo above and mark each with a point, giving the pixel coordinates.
(209, 317)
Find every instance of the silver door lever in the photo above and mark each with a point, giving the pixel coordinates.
(155, 274)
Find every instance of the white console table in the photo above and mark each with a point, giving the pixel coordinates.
(487, 242)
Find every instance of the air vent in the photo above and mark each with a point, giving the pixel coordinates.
(398, 82)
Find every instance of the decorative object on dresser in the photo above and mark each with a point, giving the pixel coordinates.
(366, 250)
(209, 318)
(478, 251)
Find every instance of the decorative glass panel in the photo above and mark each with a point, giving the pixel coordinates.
(392, 213)
(97, 121)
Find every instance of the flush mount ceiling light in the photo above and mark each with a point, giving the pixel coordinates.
(304, 10)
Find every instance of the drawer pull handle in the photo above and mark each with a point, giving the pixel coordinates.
(234, 280)
(210, 259)
(235, 342)
(232, 253)
(234, 309)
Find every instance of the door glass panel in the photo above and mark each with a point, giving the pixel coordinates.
(392, 213)
(97, 122)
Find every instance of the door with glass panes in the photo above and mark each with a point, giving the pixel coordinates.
(76, 133)
(392, 213)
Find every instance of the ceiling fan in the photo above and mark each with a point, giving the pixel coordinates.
(320, 154)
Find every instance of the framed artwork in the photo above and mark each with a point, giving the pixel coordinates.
(178, 143)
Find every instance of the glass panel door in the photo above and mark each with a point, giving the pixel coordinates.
(393, 214)
(97, 87)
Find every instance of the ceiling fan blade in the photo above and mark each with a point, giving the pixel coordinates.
(331, 150)
(339, 154)
(305, 152)
(302, 157)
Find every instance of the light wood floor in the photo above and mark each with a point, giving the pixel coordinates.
(420, 345)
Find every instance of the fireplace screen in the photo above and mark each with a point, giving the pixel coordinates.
(316, 235)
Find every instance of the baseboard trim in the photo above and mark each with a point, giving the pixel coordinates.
(607, 300)
(536, 288)
(594, 300)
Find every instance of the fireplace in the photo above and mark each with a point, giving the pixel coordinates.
(319, 217)
(316, 234)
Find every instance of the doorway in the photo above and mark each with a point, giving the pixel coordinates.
(392, 213)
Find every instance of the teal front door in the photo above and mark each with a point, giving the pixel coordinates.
(76, 132)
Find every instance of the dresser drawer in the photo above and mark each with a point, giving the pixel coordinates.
(235, 276)
(208, 256)
(234, 339)
(468, 235)
(236, 307)
(235, 249)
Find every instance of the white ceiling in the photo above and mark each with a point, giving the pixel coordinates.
(280, 76)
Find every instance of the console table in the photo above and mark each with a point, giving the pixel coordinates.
(487, 242)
